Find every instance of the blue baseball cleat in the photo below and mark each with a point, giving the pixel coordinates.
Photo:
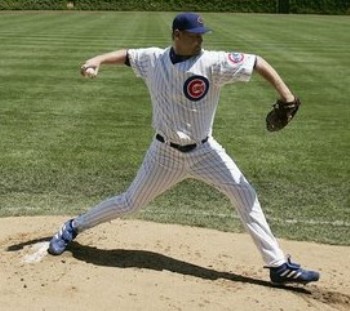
(62, 238)
(292, 273)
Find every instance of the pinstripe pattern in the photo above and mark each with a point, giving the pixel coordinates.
(177, 118)
(184, 121)
(163, 167)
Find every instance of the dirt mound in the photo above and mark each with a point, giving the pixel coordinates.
(136, 265)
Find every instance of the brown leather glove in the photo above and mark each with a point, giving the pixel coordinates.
(281, 114)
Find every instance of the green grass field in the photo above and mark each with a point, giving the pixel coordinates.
(67, 142)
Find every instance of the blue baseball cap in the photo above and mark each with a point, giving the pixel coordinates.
(190, 22)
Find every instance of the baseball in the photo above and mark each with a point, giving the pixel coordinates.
(90, 72)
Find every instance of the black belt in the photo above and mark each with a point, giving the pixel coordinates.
(185, 148)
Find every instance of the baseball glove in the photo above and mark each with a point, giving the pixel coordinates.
(281, 114)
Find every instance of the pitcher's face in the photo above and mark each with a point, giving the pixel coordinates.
(187, 43)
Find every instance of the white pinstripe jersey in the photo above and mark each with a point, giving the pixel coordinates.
(185, 95)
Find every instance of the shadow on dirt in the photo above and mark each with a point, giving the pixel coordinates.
(124, 258)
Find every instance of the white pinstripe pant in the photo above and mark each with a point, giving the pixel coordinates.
(164, 166)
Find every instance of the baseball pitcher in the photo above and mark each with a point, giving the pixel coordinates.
(184, 82)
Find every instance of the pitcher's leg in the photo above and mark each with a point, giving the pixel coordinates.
(153, 178)
(159, 171)
(219, 170)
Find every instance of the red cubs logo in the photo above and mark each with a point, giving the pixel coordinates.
(236, 57)
(196, 87)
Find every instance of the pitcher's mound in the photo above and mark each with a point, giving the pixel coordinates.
(137, 265)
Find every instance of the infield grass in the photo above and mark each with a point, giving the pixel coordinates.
(66, 142)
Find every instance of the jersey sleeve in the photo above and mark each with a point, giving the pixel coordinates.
(233, 67)
(142, 60)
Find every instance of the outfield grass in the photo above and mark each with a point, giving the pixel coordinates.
(67, 142)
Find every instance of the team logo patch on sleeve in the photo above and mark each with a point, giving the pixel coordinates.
(196, 87)
(236, 57)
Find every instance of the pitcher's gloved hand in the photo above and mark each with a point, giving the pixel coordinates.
(281, 114)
